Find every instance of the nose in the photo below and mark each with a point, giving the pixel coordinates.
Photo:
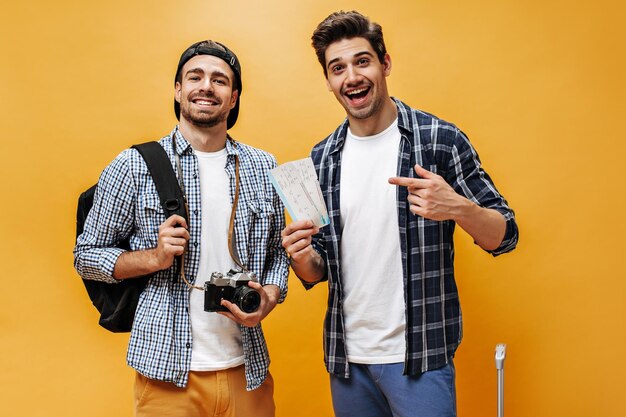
(352, 75)
(207, 85)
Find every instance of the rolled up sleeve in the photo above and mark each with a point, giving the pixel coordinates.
(277, 261)
(109, 221)
(468, 178)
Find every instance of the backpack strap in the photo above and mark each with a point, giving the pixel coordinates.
(167, 185)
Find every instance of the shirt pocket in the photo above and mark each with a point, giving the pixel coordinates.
(150, 215)
(261, 216)
(261, 207)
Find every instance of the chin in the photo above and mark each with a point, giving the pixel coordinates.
(205, 120)
(362, 113)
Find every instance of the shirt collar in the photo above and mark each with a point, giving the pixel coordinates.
(182, 145)
(339, 137)
(404, 120)
(232, 147)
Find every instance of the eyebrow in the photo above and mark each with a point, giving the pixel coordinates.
(199, 70)
(357, 55)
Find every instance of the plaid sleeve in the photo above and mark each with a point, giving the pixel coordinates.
(468, 178)
(109, 221)
(320, 247)
(277, 262)
(318, 241)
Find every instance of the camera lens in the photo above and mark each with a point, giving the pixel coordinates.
(247, 299)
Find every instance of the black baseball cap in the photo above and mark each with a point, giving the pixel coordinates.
(204, 48)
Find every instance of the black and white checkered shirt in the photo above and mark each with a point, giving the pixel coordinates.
(433, 313)
(127, 204)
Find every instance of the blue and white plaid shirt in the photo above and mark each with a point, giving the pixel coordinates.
(126, 204)
(433, 313)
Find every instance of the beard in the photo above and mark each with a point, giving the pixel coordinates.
(203, 118)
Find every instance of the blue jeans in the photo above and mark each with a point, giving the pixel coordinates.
(382, 391)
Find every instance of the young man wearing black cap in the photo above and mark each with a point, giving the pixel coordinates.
(396, 182)
(190, 362)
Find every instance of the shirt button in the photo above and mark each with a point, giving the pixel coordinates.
(195, 212)
(188, 345)
(195, 244)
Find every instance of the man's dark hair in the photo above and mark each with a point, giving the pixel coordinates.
(347, 25)
(209, 44)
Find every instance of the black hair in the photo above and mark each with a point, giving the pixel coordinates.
(347, 25)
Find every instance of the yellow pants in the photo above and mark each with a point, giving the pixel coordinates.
(207, 394)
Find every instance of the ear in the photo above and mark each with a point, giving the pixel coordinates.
(328, 85)
(233, 98)
(387, 65)
(177, 91)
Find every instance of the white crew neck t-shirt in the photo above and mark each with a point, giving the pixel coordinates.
(371, 261)
(216, 339)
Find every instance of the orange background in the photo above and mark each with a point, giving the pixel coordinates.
(538, 86)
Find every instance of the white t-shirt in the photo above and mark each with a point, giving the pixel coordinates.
(216, 339)
(371, 261)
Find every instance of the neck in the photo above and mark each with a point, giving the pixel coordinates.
(204, 139)
(376, 123)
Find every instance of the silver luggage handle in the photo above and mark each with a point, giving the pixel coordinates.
(500, 356)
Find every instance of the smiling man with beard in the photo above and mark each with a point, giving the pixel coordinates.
(396, 182)
(190, 362)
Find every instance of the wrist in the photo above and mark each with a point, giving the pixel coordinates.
(154, 261)
(273, 292)
(466, 209)
(310, 268)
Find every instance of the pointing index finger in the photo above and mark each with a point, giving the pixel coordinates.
(408, 182)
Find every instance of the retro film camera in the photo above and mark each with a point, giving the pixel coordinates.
(231, 287)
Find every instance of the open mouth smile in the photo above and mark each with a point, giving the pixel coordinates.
(357, 95)
(205, 101)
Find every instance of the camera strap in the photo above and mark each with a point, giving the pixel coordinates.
(232, 240)
(232, 237)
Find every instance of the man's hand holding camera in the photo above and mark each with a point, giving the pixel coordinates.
(269, 298)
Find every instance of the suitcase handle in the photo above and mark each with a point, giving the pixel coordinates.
(500, 356)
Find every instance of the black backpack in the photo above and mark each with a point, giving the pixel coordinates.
(117, 302)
